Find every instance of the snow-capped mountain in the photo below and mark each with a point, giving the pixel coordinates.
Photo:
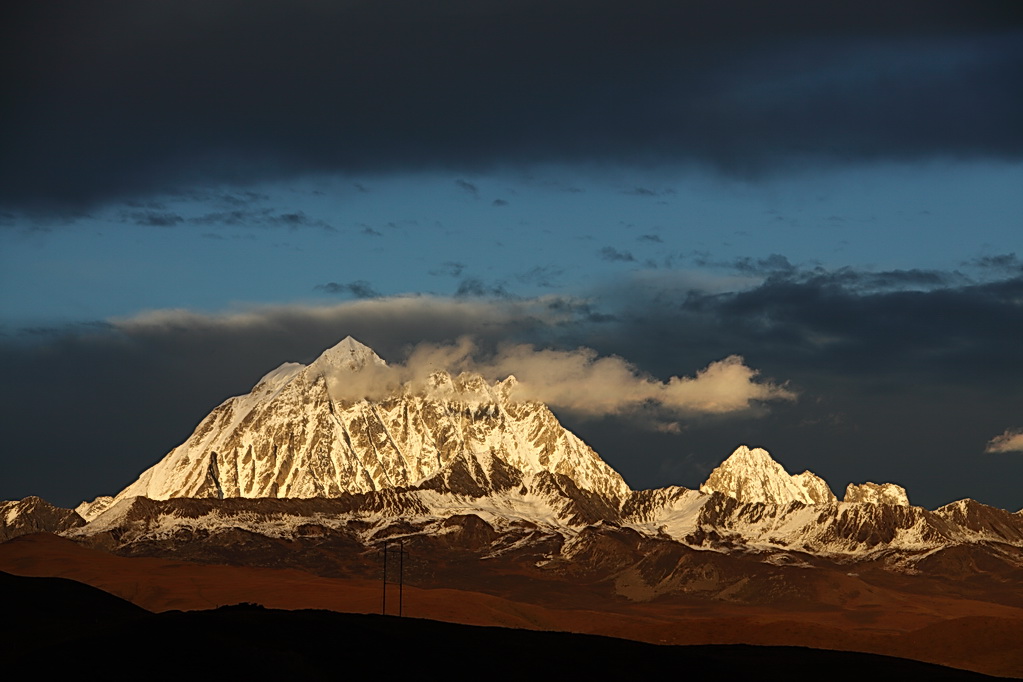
(35, 515)
(341, 446)
(302, 433)
(877, 493)
(752, 476)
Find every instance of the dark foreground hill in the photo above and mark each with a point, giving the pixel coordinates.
(69, 628)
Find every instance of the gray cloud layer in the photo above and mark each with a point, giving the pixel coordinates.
(109, 99)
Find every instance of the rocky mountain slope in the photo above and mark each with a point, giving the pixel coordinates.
(35, 515)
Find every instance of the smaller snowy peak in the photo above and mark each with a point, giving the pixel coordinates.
(34, 515)
(349, 354)
(468, 382)
(439, 383)
(504, 388)
(816, 488)
(276, 379)
(90, 510)
(876, 493)
(983, 522)
(467, 387)
(472, 387)
(751, 475)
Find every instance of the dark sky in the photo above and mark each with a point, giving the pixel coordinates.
(192, 193)
(113, 99)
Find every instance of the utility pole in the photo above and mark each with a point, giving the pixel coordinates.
(401, 578)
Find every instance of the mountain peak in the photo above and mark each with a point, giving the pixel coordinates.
(877, 493)
(752, 475)
(468, 387)
(348, 354)
(345, 424)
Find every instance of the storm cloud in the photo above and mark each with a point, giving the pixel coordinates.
(102, 101)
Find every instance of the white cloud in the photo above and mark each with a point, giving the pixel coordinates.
(586, 383)
(1009, 441)
(582, 381)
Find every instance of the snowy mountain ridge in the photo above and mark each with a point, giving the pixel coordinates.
(299, 434)
(753, 476)
(322, 445)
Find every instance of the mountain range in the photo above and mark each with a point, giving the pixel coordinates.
(449, 446)
(321, 464)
